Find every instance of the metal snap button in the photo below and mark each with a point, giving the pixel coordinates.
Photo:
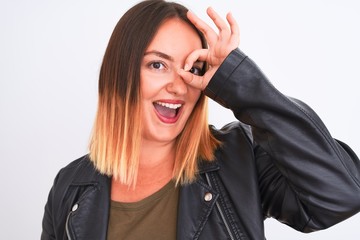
(208, 197)
(75, 207)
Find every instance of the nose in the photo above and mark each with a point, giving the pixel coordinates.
(176, 85)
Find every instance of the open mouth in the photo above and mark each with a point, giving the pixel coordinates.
(167, 112)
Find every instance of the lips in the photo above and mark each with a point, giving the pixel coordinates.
(168, 112)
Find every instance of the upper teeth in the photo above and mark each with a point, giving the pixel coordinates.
(169, 105)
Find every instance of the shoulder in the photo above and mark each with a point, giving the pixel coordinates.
(77, 168)
(79, 172)
(236, 143)
(232, 131)
(235, 156)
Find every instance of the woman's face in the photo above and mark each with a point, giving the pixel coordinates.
(166, 100)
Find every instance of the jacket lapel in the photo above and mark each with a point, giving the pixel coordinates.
(89, 216)
(196, 201)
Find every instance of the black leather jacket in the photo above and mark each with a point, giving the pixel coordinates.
(285, 166)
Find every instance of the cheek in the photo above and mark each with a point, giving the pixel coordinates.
(194, 95)
(147, 89)
(150, 85)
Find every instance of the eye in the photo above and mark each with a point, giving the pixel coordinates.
(196, 71)
(157, 65)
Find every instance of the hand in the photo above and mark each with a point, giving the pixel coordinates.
(220, 46)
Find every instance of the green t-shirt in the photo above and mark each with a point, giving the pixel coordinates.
(154, 217)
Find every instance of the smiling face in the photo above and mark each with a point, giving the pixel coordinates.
(166, 101)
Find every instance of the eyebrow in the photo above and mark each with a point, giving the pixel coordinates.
(160, 54)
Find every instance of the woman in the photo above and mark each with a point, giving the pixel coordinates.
(157, 171)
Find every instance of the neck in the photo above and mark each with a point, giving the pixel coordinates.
(156, 162)
(155, 154)
(155, 170)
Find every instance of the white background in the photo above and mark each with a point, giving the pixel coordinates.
(51, 51)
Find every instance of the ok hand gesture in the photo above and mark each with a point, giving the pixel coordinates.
(220, 46)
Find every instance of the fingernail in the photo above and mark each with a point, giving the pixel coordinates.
(186, 67)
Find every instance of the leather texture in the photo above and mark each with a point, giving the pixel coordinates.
(278, 160)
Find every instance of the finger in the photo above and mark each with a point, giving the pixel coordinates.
(219, 22)
(208, 32)
(192, 80)
(235, 31)
(197, 55)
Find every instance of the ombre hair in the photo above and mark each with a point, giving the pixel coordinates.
(116, 138)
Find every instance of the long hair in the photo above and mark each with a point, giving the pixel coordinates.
(115, 141)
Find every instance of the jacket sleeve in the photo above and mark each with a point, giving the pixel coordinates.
(307, 179)
(48, 232)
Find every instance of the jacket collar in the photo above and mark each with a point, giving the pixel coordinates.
(196, 201)
(90, 218)
(208, 166)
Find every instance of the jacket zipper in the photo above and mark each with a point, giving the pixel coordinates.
(221, 212)
(67, 226)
